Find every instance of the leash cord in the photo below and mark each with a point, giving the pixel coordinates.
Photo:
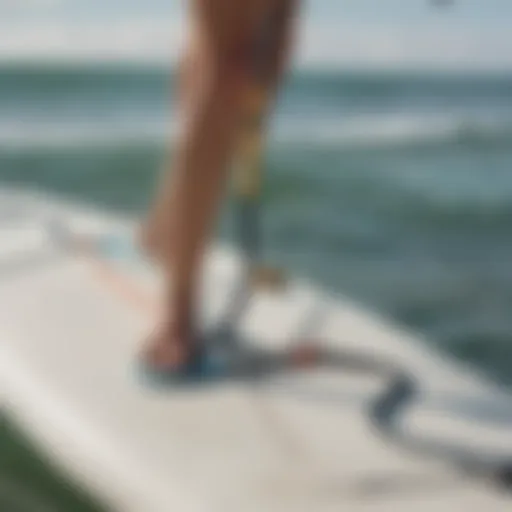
(402, 389)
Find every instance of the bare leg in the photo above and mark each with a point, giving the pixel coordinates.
(225, 30)
(154, 229)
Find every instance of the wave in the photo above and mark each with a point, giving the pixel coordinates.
(31, 81)
(361, 132)
(400, 132)
(68, 135)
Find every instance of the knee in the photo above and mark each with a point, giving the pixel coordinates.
(228, 67)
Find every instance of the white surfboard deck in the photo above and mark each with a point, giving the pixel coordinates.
(68, 343)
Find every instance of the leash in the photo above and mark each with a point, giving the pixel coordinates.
(401, 389)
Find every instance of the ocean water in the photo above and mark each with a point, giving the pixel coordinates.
(392, 188)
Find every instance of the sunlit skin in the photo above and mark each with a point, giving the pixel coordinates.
(216, 72)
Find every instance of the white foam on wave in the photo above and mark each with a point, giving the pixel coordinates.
(362, 130)
(69, 134)
(370, 130)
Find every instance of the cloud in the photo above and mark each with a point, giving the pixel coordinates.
(135, 39)
(388, 45)
(29, 4)
(320, 44)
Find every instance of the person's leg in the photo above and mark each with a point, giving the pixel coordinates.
(224, 30)
(153, 227)
(153, 231)
(276, 55)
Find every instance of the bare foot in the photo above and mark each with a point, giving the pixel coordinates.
(167, 350)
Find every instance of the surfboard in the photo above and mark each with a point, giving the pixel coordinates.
(72, 318)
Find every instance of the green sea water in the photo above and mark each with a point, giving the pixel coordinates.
(30, 481)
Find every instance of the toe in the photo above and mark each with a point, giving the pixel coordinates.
(164, 352)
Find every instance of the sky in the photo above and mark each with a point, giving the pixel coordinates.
(333, 33)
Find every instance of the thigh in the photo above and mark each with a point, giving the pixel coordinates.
(227, 27)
